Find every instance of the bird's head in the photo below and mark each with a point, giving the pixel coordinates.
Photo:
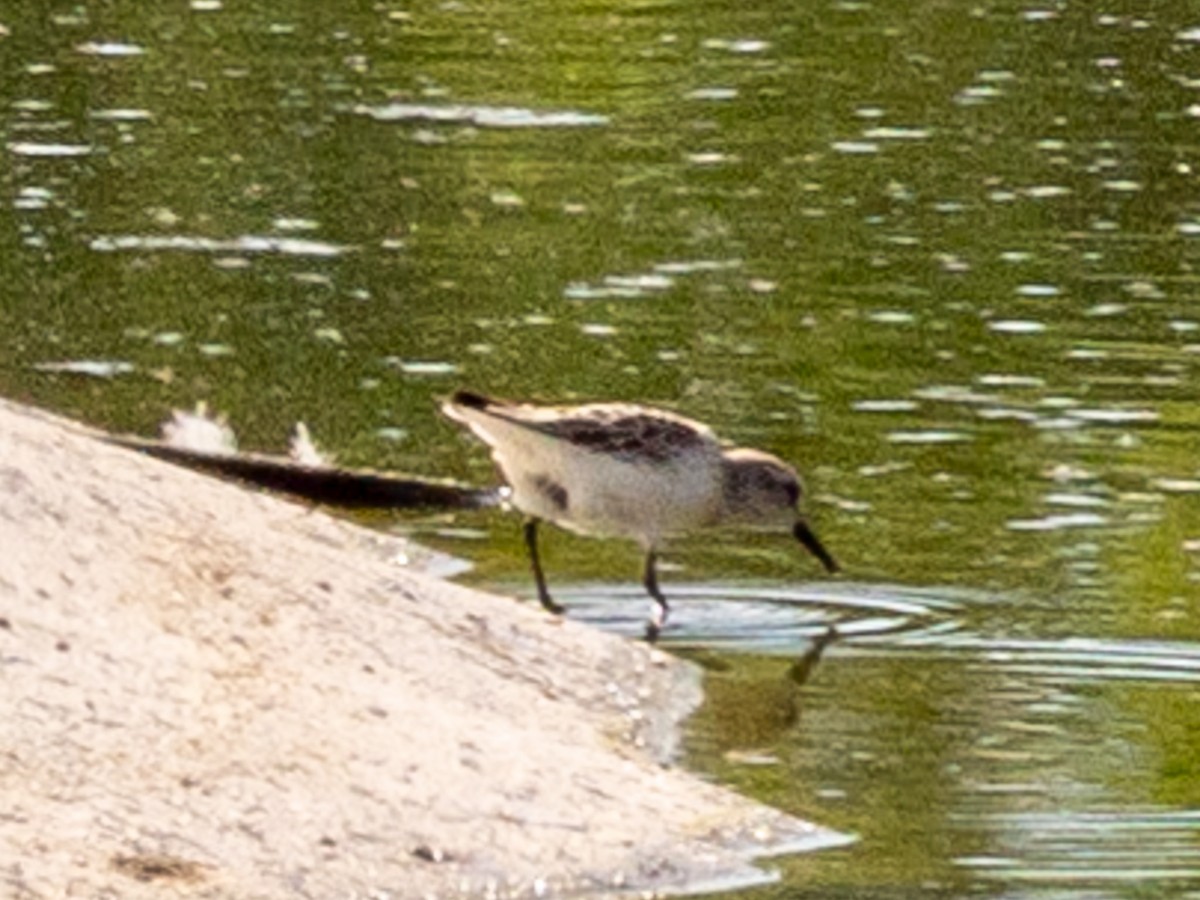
(761, 489)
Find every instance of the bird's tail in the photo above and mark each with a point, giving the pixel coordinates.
(471, 400)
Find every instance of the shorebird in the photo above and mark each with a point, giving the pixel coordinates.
(621, 470)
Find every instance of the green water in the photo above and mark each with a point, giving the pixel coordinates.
(943, 256)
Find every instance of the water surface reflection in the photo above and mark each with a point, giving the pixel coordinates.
(959, 758)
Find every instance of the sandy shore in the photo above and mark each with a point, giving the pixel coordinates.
(211, 692)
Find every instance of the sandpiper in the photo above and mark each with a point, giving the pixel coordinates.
(621, 470)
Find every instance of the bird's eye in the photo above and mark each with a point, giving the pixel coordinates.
(793, 492)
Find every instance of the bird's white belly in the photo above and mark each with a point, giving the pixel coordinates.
(593, 494)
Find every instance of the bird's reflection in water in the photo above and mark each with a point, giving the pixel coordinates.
(753, 705)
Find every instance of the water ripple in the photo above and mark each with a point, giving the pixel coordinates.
(1090, 847)
(874, 620)
(1058, 522)
(248, 243)
(29, 148)
(765, 620)
(482, 116)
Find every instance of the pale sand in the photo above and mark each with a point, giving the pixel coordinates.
(211, 692)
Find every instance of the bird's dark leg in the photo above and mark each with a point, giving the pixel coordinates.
(650, 580)
(803, 667)
(535, 563)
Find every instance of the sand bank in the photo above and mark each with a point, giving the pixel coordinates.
(212, 692)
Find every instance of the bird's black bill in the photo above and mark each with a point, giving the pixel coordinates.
(812, 543)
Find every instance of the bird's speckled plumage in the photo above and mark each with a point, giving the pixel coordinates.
(622, 470)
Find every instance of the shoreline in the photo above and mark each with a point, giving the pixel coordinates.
(216, 692)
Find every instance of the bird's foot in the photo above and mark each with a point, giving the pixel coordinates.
(550, 606)
(656, 623)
